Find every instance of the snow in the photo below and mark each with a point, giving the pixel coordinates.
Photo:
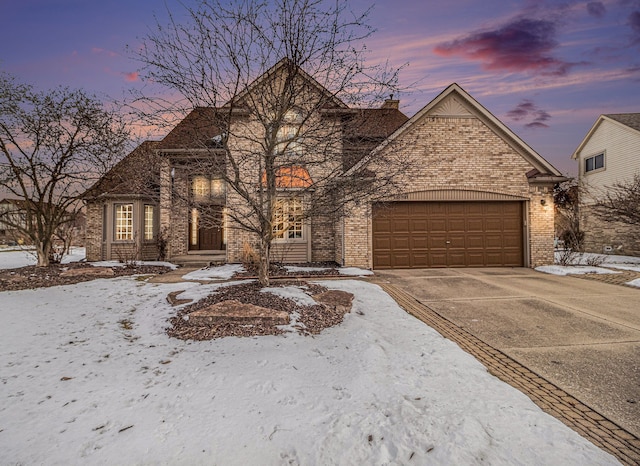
(297, 268)
(572, 269)
(122, 264)
(602, 264)
(354, 271)
(221, 272)
(16, 257)
(88, 376)
(635, 282)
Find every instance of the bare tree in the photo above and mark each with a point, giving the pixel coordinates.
(566, 200)
(52, 146)
(621, 202)
(298, 130)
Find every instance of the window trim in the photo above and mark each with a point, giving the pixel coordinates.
(594, 158)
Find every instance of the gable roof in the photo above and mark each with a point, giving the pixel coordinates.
(281, 67)
(469, 105)
(136, 174)
(630, 120)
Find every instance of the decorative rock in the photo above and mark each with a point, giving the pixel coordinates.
(233, 311)
(96, 272)
(339, 300)
(173, 299)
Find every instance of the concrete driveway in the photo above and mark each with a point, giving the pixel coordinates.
(582, 335)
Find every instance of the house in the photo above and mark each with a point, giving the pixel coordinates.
(607, 155)
(467, 190)
(11, 215)
(14, 220)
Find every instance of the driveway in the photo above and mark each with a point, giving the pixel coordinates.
(582, 335)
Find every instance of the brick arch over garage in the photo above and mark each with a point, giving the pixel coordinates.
(450, 228)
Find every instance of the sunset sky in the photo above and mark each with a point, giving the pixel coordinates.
(547, 69)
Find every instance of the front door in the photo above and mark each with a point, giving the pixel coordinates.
(206, 234)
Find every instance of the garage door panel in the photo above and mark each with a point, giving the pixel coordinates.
(448, 234)
(475, 242)
(437, 259)
(401, 260)
(400, 243)
(419, 242)
(457, 225)
(437, 225)
(475, 224)
(420, 260)
(401, 226)
(382, 243)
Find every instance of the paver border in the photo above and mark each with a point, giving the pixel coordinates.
(587, 422)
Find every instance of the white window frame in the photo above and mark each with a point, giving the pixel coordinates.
(594, 159)
(123, 222)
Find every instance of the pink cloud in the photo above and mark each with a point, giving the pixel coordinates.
(520, 45)
(131, 77)
(99, 51)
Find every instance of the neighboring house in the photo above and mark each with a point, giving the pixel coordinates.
(609, 154)
(11, 214)
(475, 194)
(13, 217)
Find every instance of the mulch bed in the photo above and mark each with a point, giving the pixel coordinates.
(315, 318)
(30, 277)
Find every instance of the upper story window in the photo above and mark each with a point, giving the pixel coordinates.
(204, 188)
(595, 162)
(287, 137)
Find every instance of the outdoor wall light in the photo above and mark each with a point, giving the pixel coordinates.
(543, 202)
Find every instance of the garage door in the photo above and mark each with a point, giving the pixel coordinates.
(447, 234)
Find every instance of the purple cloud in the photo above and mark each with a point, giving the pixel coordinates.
(596, 9)
(523, 44)
(527, 110)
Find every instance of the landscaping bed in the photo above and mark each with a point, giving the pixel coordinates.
(31, 277)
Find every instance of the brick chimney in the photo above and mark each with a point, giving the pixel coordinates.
(390, 103)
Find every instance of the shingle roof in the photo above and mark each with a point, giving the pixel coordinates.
(632, 120)
(136, 174)
(196, 130)
(366, 128)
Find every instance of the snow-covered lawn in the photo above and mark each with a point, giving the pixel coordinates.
(13, 258)
(88, 376)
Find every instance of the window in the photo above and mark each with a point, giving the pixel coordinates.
(204, 188)
(124, 222)
(148, 222)
(287, 135)
(595, 162)
(287, 219)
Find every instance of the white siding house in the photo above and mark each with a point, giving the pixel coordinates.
(609, 154)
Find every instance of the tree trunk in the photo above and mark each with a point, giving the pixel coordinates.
(263, 266)
(43, 249)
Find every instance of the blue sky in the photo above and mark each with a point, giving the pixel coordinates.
(547, 69)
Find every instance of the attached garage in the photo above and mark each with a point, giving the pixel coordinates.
(417, 234)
